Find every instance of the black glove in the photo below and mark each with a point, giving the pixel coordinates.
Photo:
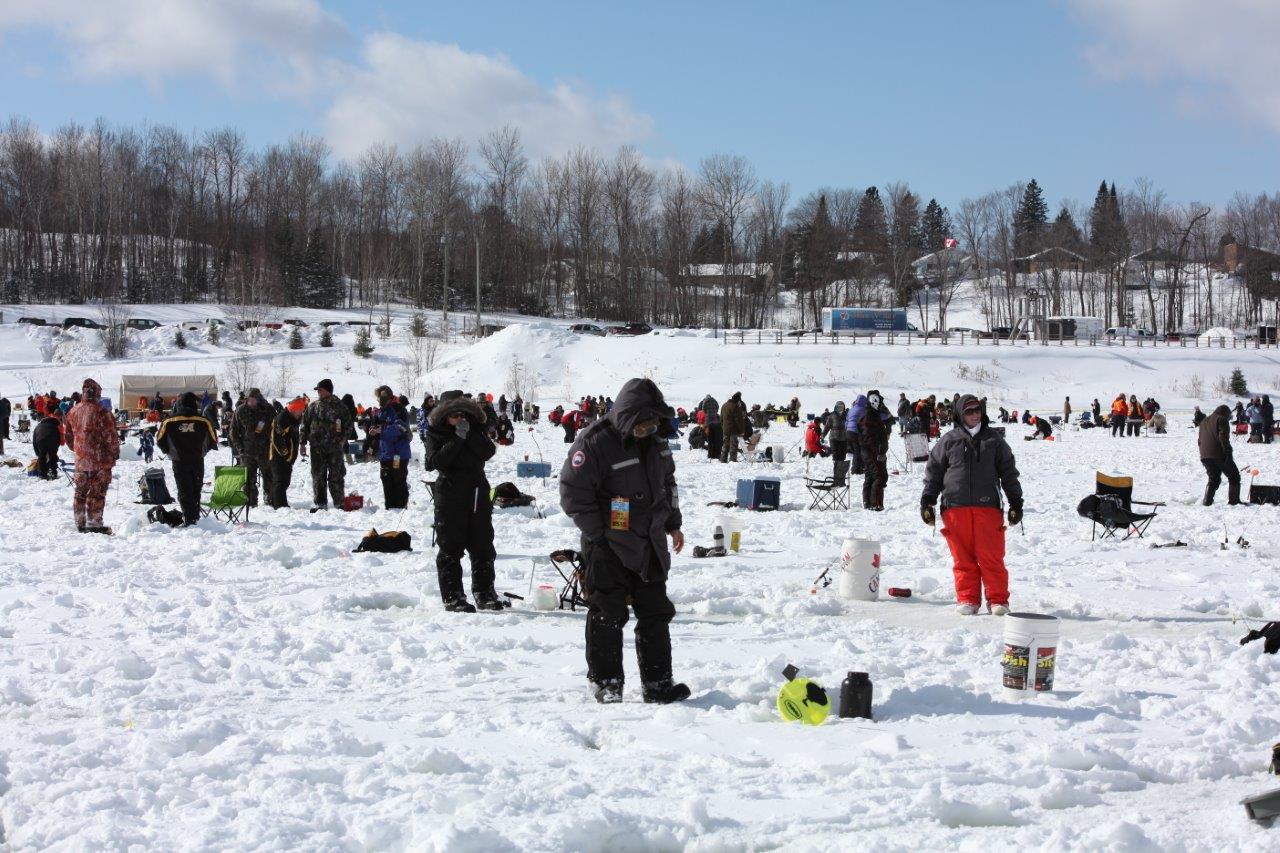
(1270, 633)
(1015, 515)
(928, 515)
(463, 427)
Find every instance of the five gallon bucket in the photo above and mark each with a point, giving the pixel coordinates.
(860, 569)
(1030, 652)
(732, 529)
(544, 597)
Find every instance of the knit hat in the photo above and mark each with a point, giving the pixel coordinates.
(325, 384)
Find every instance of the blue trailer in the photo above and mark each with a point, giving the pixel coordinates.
(864, 321)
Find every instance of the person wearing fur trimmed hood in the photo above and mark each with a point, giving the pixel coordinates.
(457, 448)
(91, 434)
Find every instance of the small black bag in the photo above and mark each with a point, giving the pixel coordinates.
(160, 515)
(506, 495)
(387, 542)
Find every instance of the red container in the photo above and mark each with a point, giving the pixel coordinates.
(899, 592)
(351, 503)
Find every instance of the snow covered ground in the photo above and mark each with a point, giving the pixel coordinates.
(260, 686)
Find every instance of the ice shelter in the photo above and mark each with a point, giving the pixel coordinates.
(134, 388)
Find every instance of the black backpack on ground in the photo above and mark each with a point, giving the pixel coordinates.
(387, 542)
(506, 495)
(152, 488)
(160, 515)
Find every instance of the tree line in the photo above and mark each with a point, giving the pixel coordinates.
(154, 214)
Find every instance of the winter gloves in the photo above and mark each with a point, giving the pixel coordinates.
(1015, 515)
(463, 427)
(1269, 633)
(928, 515)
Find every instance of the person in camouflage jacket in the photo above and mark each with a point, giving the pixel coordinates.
(251, 441)
(325, 426)
(91, 434)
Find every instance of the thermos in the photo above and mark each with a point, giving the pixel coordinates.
(717, 537)
(855, 695)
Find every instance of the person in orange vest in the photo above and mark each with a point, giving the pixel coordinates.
(1119, 414)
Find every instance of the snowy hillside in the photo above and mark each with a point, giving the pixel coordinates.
(261, 685)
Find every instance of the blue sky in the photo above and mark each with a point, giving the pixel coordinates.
(954, 98)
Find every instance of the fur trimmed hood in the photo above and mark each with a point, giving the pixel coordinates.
(458, 404)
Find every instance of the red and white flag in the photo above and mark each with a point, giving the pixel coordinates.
(950, 243)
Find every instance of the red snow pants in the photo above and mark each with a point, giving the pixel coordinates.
(976, 537)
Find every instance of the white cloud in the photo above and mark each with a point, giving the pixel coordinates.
(273, 44)
(1222, 51)
(407, 91)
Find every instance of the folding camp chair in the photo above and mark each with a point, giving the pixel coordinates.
(916, 445)
(68, 470)
(571, 595)
(830, 492)
(1111, 508)
(228, 499)
(24, 427)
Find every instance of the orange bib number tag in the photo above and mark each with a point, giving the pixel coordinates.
(620, 514)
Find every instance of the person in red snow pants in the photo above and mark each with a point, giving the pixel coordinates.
(968, 469)
(976, 538)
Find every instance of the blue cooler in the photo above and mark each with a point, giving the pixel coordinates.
(533, 469)
(760, 494)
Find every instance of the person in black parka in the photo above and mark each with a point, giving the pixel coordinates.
(46, 438)
(186, 437)
(618, 485)
(457, 448)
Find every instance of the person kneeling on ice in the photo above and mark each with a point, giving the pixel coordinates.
(968, 467)
(457, 448)
(619, 486)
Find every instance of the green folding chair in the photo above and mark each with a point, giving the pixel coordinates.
(228, 499)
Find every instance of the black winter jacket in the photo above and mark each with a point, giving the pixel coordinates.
(46, 434)
(186, 436)
(621, 491)
(458, 461)
(971, 470)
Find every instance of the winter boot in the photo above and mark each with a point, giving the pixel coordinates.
(488, 600)
(459, 605)
(664, 692)
(997, 609)
(609, 691)
(966, 609)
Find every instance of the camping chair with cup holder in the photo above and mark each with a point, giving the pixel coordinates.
(228, 500)
(1111, 507)
(830, 492)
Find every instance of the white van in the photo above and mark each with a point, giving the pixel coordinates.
(1127, 332)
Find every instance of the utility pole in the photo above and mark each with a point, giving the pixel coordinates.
(477, 234)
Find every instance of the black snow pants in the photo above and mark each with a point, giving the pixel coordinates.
(47, 459)
(281, 477)
(188, 477)
(609, 586)
(395, 485)
(464, 523)
(1216, 468)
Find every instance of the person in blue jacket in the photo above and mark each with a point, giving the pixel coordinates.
(393, 448)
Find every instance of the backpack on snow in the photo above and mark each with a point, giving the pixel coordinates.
(387, 542)
(152, 488)
(506, 495)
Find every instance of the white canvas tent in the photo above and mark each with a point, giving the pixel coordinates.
(133, 388)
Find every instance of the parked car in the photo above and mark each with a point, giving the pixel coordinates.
(1180, 335)
(328, 324)
(81, 323)
(141, 323)
(965, 330)
(299, 323)
(587, 329)
(33, 321)
(198, 325)
(276, 326)
(1127, 332)
(803, 333)
(631, 329)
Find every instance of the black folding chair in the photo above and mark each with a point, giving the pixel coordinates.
(1111, 507)
(830, 492)
(571, 594)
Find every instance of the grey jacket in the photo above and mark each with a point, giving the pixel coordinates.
(971, 470)
(606, 464)
(833, 425)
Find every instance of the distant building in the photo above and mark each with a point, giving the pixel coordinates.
(721, 275)
(943, 265)
(1055, 258)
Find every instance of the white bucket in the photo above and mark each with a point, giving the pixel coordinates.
(732, 529)
(779, 454)
(860, 569)
(1030, 653)
(544, 597)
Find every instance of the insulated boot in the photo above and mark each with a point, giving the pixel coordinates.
(609, 691)
(966, 609)
(488, 600)
(459, 605)
(664, 692)
(997, 609)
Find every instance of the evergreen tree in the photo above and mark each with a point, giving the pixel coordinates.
(319, 285)
(935, 225)
(214, 334)
(1030, 221)
(326, 339)
(814, 247)
(295, 338)
(870, 226)
(1108, 237)
(905, 242)
(288, 265)
(1065, 233)
(179, 339)
(418, 325)
(364, 343)
(1238, 386)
